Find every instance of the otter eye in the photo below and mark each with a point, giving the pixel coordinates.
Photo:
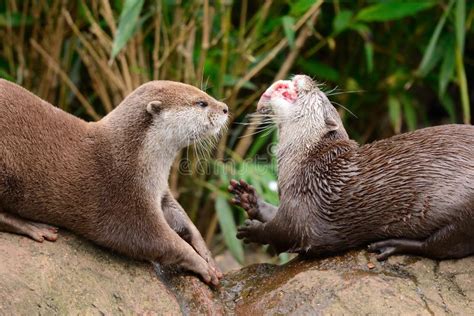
(202, 104)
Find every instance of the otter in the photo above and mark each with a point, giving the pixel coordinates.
(409, 194)
(107, 180)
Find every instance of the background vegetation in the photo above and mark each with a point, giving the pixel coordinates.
(397, 65)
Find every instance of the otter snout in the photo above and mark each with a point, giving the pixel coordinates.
(217, 115)
(303, 83)
(224, 108)
(217, 107)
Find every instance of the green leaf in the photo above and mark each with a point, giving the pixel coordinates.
(15, 19)
(220, 171)
(365, 33)
(229, 230)
(299, 7)
(460, 19)
(288, 23)
(427, 60)
(127, 25)
(4, 74)
(363, 29)
(463, 88)
(409, 113)
(394, 111)
(448, 105)
(230, 81)
(284, 257)
(447, 66)
(435, 57)
(342, 21)
(257, 144)
(320, 70)
(393, 10)
(369, 56)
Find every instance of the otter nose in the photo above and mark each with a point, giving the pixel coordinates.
(302, 81)
(225, 108)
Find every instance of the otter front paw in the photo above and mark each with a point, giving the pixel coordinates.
(246, 197)
(213, 266)
(207, 272)
(251, 231)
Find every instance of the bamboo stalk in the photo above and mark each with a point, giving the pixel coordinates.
(206, 29)
(246, 140)
(52, 63)
(108, 15)
(94, 53)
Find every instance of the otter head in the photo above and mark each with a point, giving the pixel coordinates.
(168, 114)
(184, 111)
(299, 106)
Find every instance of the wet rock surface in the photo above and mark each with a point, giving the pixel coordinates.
(72, 276)
(354, 283)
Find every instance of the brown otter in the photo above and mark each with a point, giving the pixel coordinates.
(409, 194)
(106, 180)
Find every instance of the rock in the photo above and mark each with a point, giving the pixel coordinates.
(347, 285)
(72, 276)
(227, 262)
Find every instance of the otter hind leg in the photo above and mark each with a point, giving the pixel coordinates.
(36, 231)
(247, 198)
(450, 242)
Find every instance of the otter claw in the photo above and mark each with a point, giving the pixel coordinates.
(391, 247)
(245, 197)
(383, 252)
(384, 249)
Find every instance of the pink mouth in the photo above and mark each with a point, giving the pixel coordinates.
(284, 90)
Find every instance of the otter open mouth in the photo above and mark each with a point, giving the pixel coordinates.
(285, 90)
(284, 93)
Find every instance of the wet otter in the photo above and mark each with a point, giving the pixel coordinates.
(409, 194)
(106, 180)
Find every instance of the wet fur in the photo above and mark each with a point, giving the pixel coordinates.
(407, 186)
(336, 195)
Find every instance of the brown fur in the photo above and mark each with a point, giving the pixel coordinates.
(106, 180)
(414, 189)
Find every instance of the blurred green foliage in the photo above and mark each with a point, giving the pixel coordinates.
(397, 64)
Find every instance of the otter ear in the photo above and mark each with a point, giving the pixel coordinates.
(331, 124)
(154, 107)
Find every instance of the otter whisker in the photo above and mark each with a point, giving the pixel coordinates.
(268, 129)
(329, 92)
(203, 148)
(206, 85)
(345, 108)
(250, 123)
(202, 77)
(344, 92)
(258, 120)
(266, 117)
